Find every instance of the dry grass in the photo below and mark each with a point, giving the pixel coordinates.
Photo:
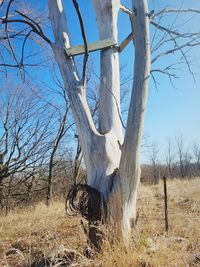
(30, 235)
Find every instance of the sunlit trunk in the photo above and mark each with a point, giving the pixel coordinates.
(112, 162)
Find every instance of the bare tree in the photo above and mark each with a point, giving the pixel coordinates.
(113, 160)
(22, 188)
(169, 158)
(154, 160)
(62, 129)
(196, 156)
(24, 140)
(184, 158)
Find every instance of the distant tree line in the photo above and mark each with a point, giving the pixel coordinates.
(32, 153)
(178, 161)
(37, 165)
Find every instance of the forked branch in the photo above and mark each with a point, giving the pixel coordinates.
(30, 26)
(34, 28)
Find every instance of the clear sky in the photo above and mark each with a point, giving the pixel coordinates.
(171, 111)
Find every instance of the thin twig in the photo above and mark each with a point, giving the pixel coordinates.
(169, 10)
(118, 108)
(33, 21)
(185, 35)
(7, 32)
(2, 2)
(23, 47)
(171, 51)
(14, 35)
(4, 21)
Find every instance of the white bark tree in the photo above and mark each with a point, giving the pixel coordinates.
(112, 168)
(112, 158)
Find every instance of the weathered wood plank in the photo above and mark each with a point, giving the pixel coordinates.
(126, 41)
(80, 49)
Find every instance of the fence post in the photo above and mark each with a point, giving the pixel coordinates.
(166, 204)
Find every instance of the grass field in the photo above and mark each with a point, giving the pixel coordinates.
(29, 237)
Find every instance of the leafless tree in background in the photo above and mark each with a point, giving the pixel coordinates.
(184, 158)
(25, 132)
(153, 154)
(62, 129)
(196, 156)
(169, 158)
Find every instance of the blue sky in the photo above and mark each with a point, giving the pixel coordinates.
(171, 111)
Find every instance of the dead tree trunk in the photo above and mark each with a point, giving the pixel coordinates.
(112, 162)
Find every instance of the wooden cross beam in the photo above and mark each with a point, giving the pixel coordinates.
(126, 41)
(80, 49)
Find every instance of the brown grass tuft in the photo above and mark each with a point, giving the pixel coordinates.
(45, 234)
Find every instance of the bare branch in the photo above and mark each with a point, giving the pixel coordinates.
(86, 54)
(154, 81)
(178, 48)
(127, 11)
(1, 3)
(34, 29)
(23, 47)
(6, 126)
(184, 56)
(33, 21)
(7, 32)
(118, 107)
(14, 35)
(183, 35)
(125, 42)
(174, 10)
